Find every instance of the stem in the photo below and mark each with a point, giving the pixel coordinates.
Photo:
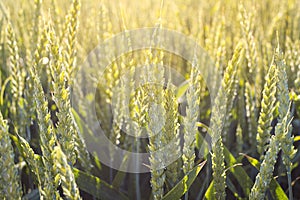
(288, 169)
(137, 175)
(111, 174)
(186, 196)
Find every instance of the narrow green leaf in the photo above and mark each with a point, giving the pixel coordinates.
(78, 120)
(96, 187)
(209, 194)
(200, 143)
(120, 175)
(81, 124)
(3, 87)
(275, 189)
(182, 187)
(182, 89)
(297, 138)
(231, 186)
(238, 172)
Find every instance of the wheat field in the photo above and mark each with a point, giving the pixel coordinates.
(157, 99)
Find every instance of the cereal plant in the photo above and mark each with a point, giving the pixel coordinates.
(156, 99)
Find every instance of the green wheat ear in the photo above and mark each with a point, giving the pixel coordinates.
(265, 174)
(246, 22)
(156, 113)
(171, 133)
(267, 111)
(251, 112)
(156, 122)
(34, 164)
(9, 176)
(104, 29)
(282, 138)
(55, 166)
(67, 131)
(71, 50)
(286, 142)
(252, 73)
(266, 170)
(217, 123)
(17, 82)
(191, 118)
(65, 174)
(36, 32)
(47, 138)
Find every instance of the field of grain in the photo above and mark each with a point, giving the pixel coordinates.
(157, 99)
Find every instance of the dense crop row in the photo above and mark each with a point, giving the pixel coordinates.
(230, 118)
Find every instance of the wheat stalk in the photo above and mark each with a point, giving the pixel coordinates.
(71, 42)
(156, 119)
(17, 81)
(47, 138)
(67, 131)
(9, 175)
(171, 133)
(65, 174)
(217, 123)
(192, 110)
(286, 143)
(267, 111)
(265, 174)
